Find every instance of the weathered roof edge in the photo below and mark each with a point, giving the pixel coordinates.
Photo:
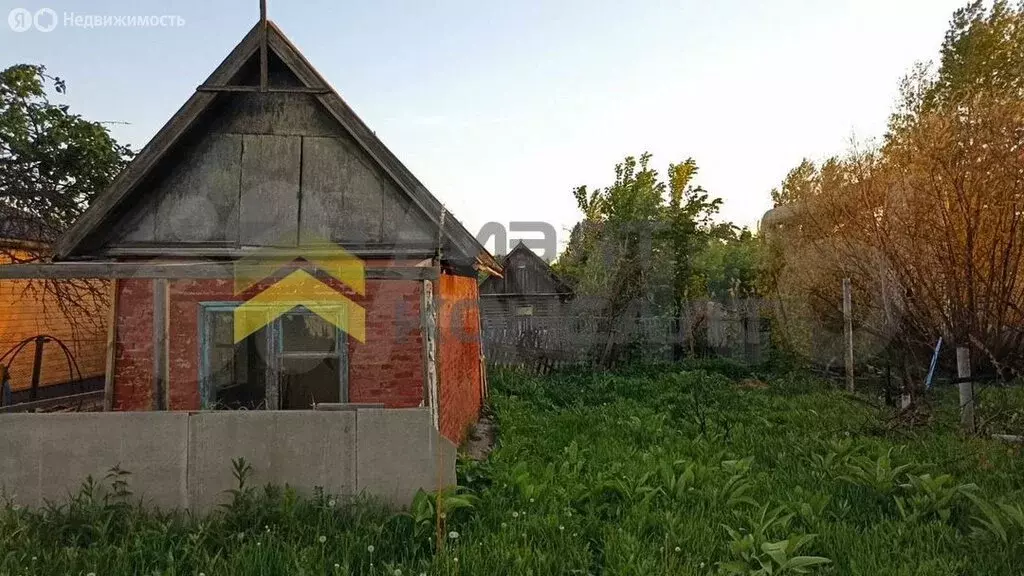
(182, 120)
(521, 246)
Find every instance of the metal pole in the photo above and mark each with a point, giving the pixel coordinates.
(37, 368)
(848, 331)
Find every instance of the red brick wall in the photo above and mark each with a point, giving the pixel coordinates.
(459, 356)
(386, 368)
(133, 358)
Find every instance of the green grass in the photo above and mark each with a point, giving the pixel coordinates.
(650, 471)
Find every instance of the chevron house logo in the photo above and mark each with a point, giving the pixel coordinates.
(300, 288)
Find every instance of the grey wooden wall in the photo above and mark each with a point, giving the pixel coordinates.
(525, 273)
(271, 169)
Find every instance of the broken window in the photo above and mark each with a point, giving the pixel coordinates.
(295, 362)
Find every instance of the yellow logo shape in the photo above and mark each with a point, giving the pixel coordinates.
(300, 288)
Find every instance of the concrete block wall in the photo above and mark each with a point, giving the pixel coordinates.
(183, 459)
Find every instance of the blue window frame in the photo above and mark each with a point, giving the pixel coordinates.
(294, 362)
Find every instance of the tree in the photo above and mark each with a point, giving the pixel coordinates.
(929, 225)
(52, 164)
(636, 251)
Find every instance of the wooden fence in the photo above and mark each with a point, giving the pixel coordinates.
(706, 328)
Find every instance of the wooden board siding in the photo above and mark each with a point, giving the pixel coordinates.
(494, 306)
(26, 310)
(269, 206)
(525, 273)
(458, 358)
(273, 170)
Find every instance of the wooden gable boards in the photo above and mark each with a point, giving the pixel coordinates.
(535, 276)
(292, 165)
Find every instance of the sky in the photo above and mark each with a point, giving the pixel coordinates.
(502, 108)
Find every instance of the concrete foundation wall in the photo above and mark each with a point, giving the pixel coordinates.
(183, 459)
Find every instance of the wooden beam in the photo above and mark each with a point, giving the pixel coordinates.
(848, 332)
(86, 397)
(172, 270)
(271, 89)
(160, 313)
(264, 64)
(108, 381)
(966, 388)
(208, 251)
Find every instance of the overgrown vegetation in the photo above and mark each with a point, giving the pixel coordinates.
(656, 470)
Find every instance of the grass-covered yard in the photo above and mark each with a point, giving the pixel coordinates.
(658, 471)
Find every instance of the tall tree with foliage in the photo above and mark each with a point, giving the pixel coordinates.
(929, 225)
(52, 164)
(636, 251)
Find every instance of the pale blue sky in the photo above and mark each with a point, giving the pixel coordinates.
(501, 108)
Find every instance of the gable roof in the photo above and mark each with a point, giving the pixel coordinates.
(18, 226)
(120, 192)
(521, 250)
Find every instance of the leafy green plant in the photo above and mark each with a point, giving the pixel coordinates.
(1001, 521)
(926, 497)
(878, 475)
(835, 456)
(755, 552)
(810, 507)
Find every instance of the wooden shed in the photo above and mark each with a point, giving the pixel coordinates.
(267, 159)
(47, 349)
(527, 288)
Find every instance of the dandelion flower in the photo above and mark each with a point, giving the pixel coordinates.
(531, 500)
(370, 548)
(443, 515)
(456, 559)
(453, 535)
(240, 536)
(337, 566)
(678, 549)
(561, 527)
(17, 507)
(91, 574)
(503, 524)
(331, 502)
(398, 572)
(322, 539)
(515, 514)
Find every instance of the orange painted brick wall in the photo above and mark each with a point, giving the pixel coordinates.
(28, 310)
(458, 358)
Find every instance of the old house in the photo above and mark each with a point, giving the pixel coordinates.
(527, 288)
(47, 347)
(266, 161)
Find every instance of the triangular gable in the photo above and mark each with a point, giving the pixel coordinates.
(512, 283)
(199, 150)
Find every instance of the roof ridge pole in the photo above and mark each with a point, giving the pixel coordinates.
(263, 47)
